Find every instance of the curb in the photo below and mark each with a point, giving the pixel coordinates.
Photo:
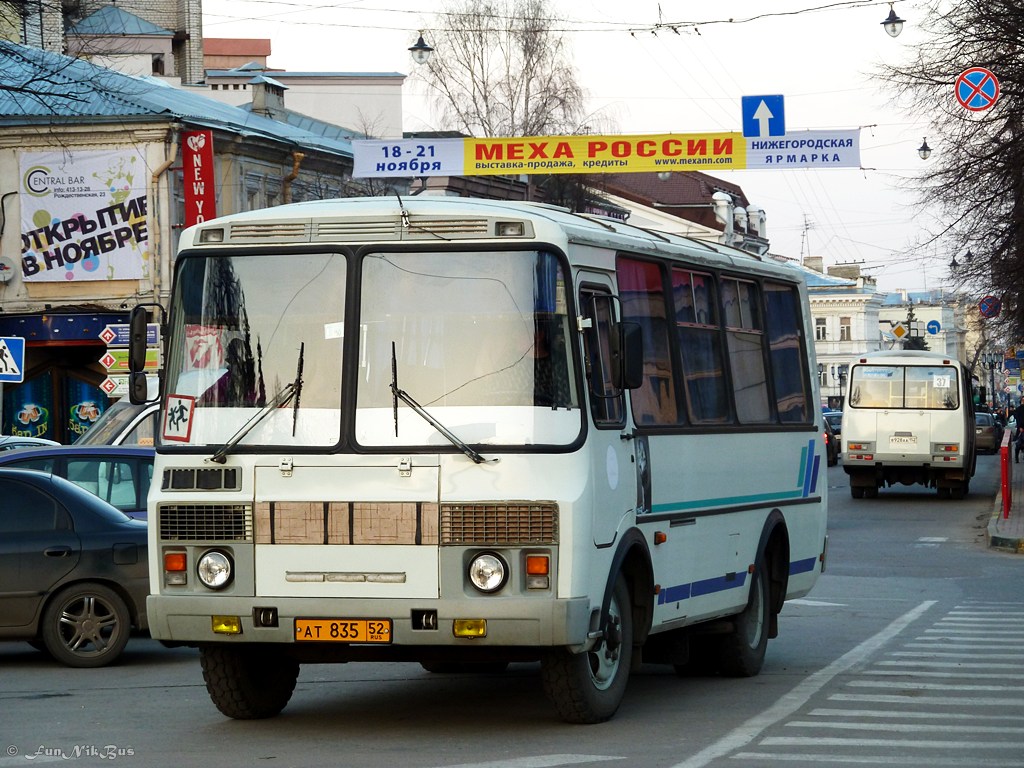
(997, 540)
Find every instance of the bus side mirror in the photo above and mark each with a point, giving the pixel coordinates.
(138, 342)
(138, 388)
(137, 323)
(628, 355)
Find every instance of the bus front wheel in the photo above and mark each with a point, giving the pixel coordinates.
(588, 687)
(247, 682)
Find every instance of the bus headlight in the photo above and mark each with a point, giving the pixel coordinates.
(488, 572)
(215, 569)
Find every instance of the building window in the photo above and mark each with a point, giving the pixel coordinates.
(819, 329)
(844, 329)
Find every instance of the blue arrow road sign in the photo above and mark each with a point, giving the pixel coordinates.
(12, 359)
(933, 327)
(763, 116)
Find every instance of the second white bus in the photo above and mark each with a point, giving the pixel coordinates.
(908, 419)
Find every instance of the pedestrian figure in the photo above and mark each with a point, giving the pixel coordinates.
(1018, 444)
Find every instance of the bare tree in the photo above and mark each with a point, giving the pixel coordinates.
(499, 69)
(976, 176)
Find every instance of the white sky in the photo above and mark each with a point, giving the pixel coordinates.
(689, 83)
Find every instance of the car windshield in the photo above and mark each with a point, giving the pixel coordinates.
(111, 423)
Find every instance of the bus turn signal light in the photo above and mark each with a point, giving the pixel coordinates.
(175, 561)
(175, 569)
(538, 569)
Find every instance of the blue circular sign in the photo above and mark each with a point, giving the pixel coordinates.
(933, 327)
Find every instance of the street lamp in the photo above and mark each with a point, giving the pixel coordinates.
(924, 151)
(421, 51)
(893, 24)
(991, 360)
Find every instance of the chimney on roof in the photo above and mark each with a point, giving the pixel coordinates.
(268, 97)
(815, 263)
(846, 271)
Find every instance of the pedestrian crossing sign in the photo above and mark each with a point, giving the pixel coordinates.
(12, 359)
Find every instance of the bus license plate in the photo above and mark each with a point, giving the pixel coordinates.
(343, 630)
(902, 440)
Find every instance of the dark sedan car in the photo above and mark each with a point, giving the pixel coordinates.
(73, 571)
(832, 449)
(118, 474)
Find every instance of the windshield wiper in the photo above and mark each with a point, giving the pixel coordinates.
(281, 399)
(400, 394)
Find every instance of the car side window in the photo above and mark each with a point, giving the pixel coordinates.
(85, 473)
(28, 509)
(43, 465)
(117, 483)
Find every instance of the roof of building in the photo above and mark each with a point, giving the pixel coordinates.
(113, 21)
(237, 46)
(686, 194)
(246, 71)
(315, 126)
(933, 296)
(38, 87)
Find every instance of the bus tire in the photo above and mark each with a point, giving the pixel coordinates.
(741, 653)
(588, 687)
(246, 682)
(857, 491)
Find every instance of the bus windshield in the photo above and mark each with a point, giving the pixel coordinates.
(241, 327)
(461, 333)
(902, 386)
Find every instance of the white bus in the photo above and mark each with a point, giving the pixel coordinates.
(908, 418)
(466, 433)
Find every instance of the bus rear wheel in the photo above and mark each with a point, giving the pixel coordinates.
(247, 682)
(588, 687)
(741, 653)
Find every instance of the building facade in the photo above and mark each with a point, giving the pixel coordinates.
(97, 179)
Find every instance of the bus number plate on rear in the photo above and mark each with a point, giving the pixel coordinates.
(902, 440)
(343, 630)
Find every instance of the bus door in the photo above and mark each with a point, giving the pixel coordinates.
(613, 467)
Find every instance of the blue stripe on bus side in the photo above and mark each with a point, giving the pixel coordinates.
(680, 592)
(802, 566)
(810, 470)
(702, 587)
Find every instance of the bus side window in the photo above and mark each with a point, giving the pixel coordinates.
(606, 403)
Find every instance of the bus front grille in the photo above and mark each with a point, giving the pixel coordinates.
(205, 522)
(499, 524)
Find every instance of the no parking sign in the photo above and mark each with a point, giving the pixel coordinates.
(977, 89)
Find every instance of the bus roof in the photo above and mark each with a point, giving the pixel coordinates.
(442, 218)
